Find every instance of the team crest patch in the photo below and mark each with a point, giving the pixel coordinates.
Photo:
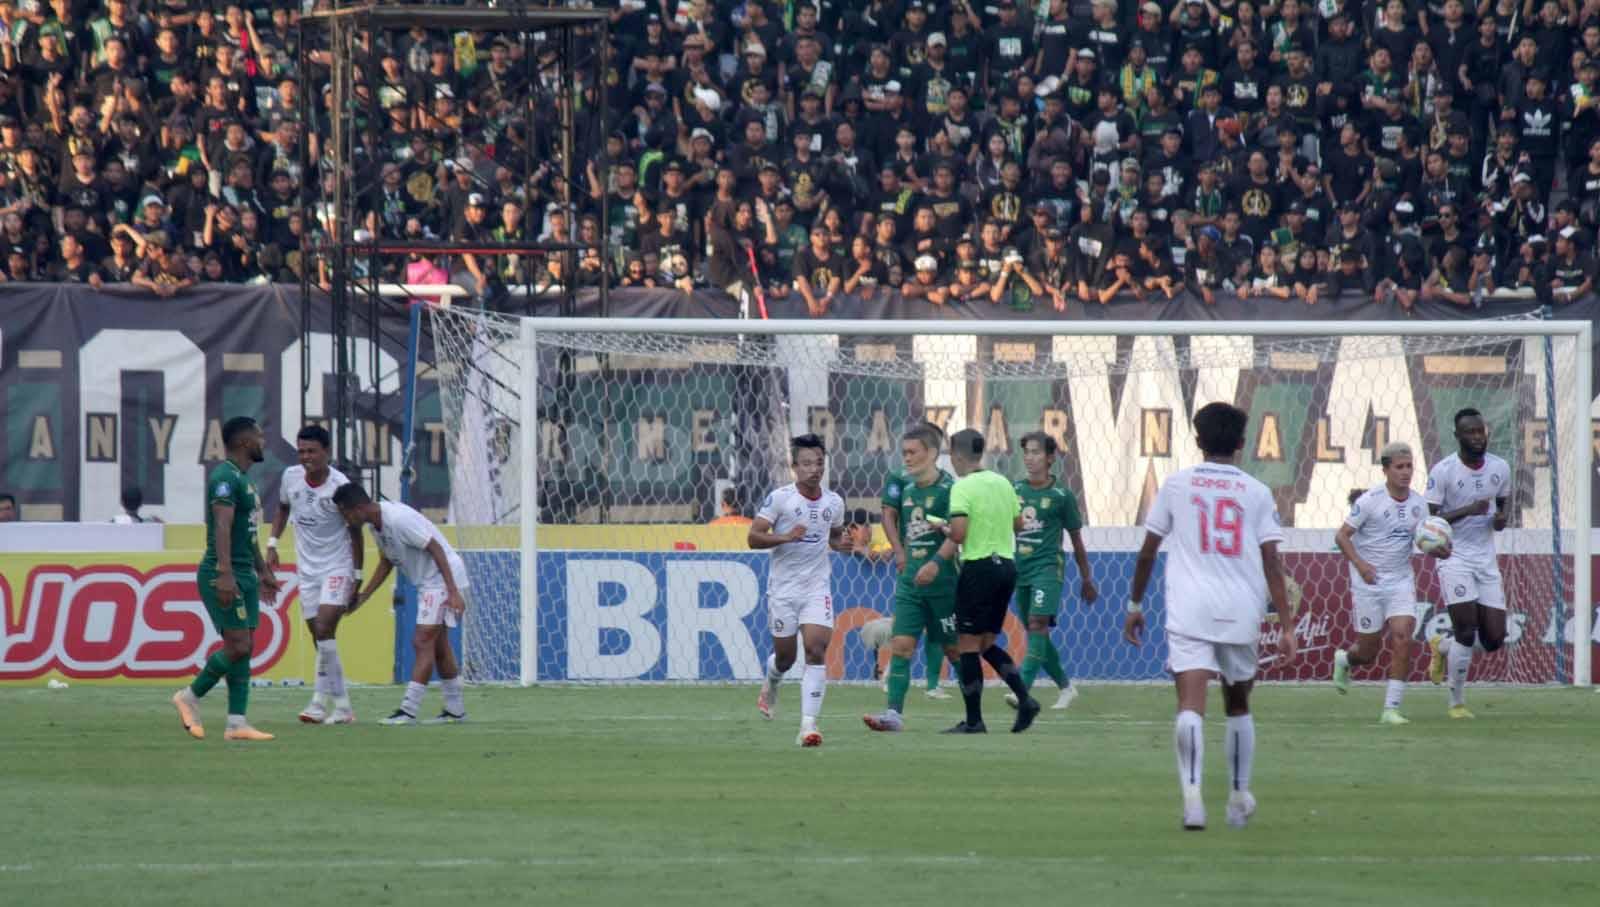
(221, 489)
(1044, 504)
(1461, 590)
(827, 513)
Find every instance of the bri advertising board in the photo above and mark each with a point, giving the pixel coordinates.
(701, 616)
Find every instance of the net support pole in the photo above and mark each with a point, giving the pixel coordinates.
(1582, 459)
(528, 544)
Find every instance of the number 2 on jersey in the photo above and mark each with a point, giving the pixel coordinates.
(1221, 526)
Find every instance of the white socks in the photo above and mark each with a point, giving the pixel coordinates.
(813, 684)
(1457, 661)
(1395, 692)
(330, 671)
(1241, 749)
(236, 722)
(452, 696)
(413, 698)
(1188, 738)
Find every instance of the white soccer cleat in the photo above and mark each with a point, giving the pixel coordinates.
(398, 718)
(341, 715)
(886, 721)
(938, 692)
(1068, 693)
(1194, 813)
(1393, 717)
(315, 713)
(766, 702)
(1241, 806)
(808, 737)
(1011, 699)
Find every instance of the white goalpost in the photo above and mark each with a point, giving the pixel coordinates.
(590, 457)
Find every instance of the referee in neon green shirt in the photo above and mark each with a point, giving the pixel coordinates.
(985, 515)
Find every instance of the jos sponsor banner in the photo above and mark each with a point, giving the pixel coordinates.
(138, 618)
(701, 616)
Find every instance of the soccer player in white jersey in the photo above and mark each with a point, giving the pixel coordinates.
(799, 523)
(409, 541)
(1377, 538)
(1222, 566)
(1470, 489)
(327, 556)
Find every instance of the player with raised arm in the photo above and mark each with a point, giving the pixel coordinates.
(916, 502)
(1377, 540)
(1471, 489)
(799, 523)
(1222, 566)
(230, 578)
(327, 556)
(408, 540)
(1049, 512)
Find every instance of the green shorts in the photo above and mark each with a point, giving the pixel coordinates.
(246, 610)
(926, 609)
(1038, 598)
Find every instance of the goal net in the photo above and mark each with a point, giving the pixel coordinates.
(591, 463)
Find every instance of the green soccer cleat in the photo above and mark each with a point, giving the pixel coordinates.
(1459, 712)
(1436, 666)
(1393, 716)
(1341, 671)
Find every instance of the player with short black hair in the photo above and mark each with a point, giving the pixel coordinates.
(1221, 569)
(230, 578)
(327, 556)
(1472, 490)
(985, 515)
(1049, 512)
(408, 540)
(799, 523)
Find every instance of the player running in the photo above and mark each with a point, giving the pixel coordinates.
(916, 502)
(230, 584)
(1221, 567)
(409, 541)
(1377, 540)
(799, 523)
(327, 555)
(1470, 489)
(1048, 512)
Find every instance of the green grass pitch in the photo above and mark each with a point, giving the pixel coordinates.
(651, 796)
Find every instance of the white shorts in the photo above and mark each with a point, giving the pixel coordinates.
(431, 611)
(316, 591)
(1391, 596)
(785, 615)
(1463, 581)
(1236, 662)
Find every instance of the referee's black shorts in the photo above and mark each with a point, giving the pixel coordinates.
(983, 594)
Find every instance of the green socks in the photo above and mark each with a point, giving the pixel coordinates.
(1038, 645)
(933, 663)
(216, 667)
(239, 686)
(1052, 663)
(899, 681)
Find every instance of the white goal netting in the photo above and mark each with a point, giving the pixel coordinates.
(643, 435)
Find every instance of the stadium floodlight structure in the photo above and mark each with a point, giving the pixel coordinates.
(338, 140)
(586, 455)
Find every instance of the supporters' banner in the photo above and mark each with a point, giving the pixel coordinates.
(700, 616)
(138, 618)
(118, 388)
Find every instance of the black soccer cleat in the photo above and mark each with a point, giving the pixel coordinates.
(1026, 712)
(961, 727)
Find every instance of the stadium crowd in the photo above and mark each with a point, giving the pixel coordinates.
(1074, 151)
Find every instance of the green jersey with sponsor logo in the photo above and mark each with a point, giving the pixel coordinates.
(916, 503)
(1048, 513)
(228, 485)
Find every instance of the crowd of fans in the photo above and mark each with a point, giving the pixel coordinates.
(1058, 153)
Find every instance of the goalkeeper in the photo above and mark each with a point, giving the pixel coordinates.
(916, 501)
(1048, 512)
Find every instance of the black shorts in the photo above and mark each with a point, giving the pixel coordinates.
(983, 594)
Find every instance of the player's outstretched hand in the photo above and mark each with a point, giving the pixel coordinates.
(1442, 553)
(272, 558)
(1288, 644)
(927, 573)
(1133, 627)
(1368, 574)
(227, 589)
(1479, 508)
(900, 561)
(1089, 591)
(356, 601)
(797, 534)
(271, 585)
(456, 603)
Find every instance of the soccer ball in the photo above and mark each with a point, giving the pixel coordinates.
(1433, 534)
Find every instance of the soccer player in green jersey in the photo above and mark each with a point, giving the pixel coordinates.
(1048, 512)
(916, 502)
(231, 577)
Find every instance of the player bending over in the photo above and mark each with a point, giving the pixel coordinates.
(1376, 539)
(1048, 512)
(409, 541)
(1221, 567)
(327, 555)
(916, 501)
(799, 523)
(230, 577)
(1470, 489)
(984, 517)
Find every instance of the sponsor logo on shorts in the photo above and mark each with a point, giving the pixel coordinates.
(1460, 589)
